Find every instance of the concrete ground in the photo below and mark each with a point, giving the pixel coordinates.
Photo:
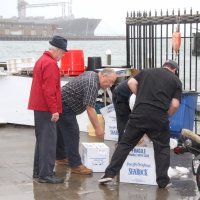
(16, 160)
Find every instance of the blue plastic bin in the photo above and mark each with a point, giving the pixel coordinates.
(185, 115)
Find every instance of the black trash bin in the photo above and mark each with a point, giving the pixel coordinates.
(94, 63)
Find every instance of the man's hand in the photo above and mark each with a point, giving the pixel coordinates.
(100, 132)
(55, 117)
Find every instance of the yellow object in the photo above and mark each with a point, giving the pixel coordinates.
(134, 71)
(91, 131)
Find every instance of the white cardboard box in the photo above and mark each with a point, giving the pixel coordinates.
(139, 166)
(95, 156)
(109, 116)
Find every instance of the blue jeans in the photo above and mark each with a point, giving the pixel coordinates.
(68, 138)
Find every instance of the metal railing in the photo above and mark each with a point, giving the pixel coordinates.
(149, 43)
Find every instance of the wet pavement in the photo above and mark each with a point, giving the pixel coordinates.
(16, 160)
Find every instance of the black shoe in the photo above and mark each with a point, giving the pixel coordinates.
(51, 179)
(35, 175)
(105, 179)
(169, 185)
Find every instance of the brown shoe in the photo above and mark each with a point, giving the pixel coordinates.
(81, 169)
(62, 162)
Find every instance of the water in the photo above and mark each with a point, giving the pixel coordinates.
(24, 49)
(21, 49)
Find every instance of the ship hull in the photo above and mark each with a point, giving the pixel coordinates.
(80, 27)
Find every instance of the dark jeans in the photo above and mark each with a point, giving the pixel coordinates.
(68, 137)
(61, 149)
(45, 147)
(130, 139)
(122, 110)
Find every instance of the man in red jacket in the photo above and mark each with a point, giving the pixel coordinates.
(45, 100)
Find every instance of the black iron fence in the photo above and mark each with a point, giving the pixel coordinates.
(149, 41)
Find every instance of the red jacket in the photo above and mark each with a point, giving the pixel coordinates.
(45, 94)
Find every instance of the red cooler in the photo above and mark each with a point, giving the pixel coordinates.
(72, 63)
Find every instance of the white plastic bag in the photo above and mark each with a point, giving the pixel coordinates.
(132, 101)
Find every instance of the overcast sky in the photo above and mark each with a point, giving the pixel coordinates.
(112, 12)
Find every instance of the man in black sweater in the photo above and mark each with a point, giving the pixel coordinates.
(158, 95)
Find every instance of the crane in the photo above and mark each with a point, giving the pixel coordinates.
(22, 5)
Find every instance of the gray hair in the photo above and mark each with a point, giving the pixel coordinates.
(107, 71)
(51, 47)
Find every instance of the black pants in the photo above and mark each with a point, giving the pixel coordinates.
(129, 140)
(122, 110)
(45, 147)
